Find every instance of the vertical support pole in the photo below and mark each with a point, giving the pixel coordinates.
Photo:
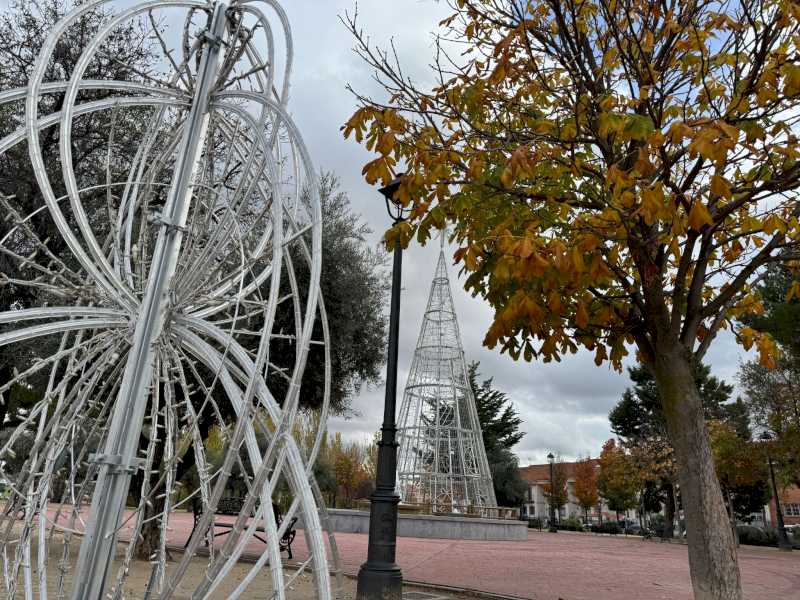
(783, 540)
(552, 528)
(118, 460)
(380, 578)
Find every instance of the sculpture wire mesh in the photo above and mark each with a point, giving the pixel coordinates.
(157, 302)
(442, 461)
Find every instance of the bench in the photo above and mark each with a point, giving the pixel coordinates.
(233, 506)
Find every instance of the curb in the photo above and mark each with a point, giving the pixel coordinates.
(454, 590)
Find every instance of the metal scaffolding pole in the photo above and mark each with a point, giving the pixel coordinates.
(118, 461)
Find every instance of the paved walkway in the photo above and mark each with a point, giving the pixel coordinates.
(562, 566)
(574, 567)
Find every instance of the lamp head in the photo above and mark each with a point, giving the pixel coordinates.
(389, 192)
(550, 458)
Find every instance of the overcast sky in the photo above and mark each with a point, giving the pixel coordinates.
(564, 405)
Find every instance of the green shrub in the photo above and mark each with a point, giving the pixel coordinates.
(794, 537)
(607, 527)
(571, 524)
(535, 523)
(755, 536)
(750, 535)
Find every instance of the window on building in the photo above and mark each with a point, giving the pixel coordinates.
(792, 510)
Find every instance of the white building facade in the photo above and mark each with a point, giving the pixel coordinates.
(537, 504)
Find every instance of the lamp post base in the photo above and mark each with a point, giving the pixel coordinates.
(379, 581)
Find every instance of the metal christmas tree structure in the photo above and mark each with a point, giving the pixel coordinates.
(442, 462)
(156, 288)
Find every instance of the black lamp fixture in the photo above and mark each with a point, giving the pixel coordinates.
(380, 578)
(393, 206)
(783, 540)
(552, 460)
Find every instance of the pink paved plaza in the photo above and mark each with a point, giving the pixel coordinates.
(566, 566)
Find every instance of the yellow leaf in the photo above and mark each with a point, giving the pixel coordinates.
(652, 204)
(507, 178)
(699, 216)
(747, 335)
(678, 131)
(720, 187)
(476, 166)
(525, 247)
(774, 223)
(600, 355)
(581, 316)
(767, 351)
(386, 143)
(609, 57)
(577, 260)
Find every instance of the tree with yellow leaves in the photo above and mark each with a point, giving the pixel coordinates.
(586, 492)
(618, 173)
(619, 481)
(349, 463)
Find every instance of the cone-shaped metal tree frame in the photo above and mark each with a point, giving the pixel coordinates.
(442, 462)
(156, 297)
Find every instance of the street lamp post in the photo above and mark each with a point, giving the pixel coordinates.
(380, 578)
(783, 539)
(552, 459)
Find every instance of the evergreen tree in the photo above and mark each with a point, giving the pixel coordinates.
(24, 25)
(772, 396)
(498, 417)
(638, 415)
(500, 424)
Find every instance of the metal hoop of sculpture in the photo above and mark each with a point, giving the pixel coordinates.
(158, 311)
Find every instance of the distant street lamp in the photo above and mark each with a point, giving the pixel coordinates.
(552, 459)
(380, 578)
(783, 539)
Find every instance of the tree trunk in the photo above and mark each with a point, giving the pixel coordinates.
(149, 544)
(669, 513)
(733, 518)
(712, 550)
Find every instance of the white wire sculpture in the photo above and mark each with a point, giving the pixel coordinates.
(160, 313)
(442, 463)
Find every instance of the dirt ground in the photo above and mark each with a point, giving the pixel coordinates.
(301, 588)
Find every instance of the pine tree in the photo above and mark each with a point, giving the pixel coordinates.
(500, 424)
